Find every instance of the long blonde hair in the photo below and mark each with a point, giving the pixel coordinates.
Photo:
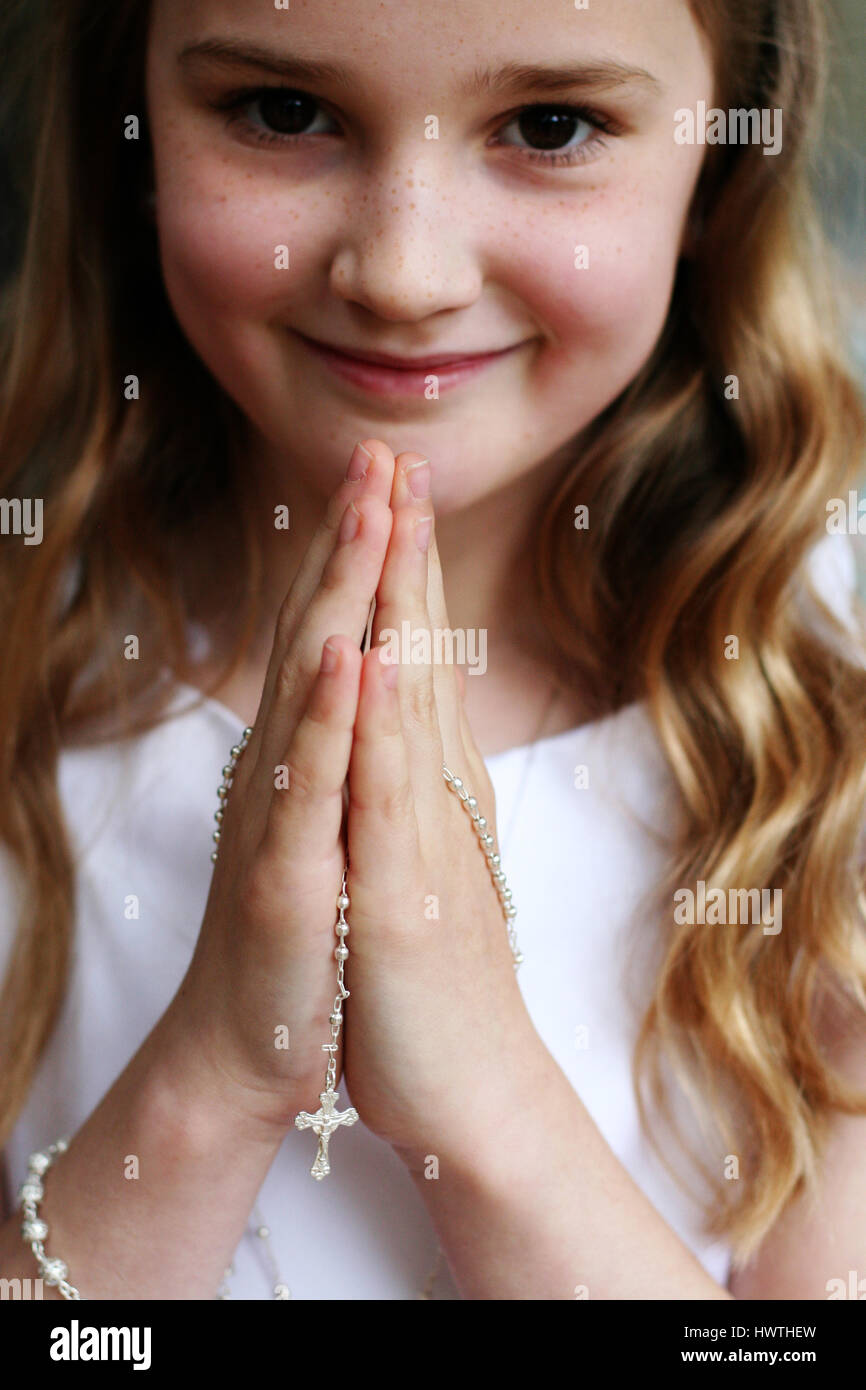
(704, 512)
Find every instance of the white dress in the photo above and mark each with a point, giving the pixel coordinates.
(582, 863)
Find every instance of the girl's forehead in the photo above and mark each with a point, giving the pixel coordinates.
(446, 42)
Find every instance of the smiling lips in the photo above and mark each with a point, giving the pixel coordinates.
(385, 375)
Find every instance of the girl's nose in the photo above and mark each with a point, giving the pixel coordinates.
(408, 246)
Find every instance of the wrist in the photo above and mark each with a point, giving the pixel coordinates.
(199, 1100)
(486, 1126)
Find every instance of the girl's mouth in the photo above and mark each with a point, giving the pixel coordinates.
(405, 376)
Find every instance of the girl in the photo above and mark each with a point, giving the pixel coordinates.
(264, 251)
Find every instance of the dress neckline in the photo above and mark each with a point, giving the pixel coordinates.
(235, 723)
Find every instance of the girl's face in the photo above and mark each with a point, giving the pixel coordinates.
(421, 190)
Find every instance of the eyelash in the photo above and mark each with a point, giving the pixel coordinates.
(234, 102)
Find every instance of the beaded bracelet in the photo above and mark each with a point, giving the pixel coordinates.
(33, 1228)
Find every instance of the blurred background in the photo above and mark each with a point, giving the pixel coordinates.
(840, 176)
(842, 185)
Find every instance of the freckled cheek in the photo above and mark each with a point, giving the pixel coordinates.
(613, 295)
(221, 260)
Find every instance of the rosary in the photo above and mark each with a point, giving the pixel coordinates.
(325, 1121)
(328, 1119)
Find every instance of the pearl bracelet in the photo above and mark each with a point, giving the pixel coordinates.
(494, 862)
(33, 1228)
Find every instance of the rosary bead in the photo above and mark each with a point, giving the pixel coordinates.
(213, 856)
(219, 814)
(334, 1019)
(39, 1163)
(342, 928)
(342, 902)
(281, 1291)
(342, 953)
(262, 1232)
(34, 1229)
(31, 1190)
(222, 793)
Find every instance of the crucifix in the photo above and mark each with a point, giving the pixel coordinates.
(326, 1119)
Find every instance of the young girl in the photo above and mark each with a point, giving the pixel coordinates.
(477, 260)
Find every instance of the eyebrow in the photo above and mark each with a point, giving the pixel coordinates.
(508, 80)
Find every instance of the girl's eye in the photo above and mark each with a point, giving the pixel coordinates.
(285, 114)
(555, 134)
(558, 134)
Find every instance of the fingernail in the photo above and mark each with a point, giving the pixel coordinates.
(329, 657)
(418, 478)
(358, 463)
(349, 525)
(422, 532)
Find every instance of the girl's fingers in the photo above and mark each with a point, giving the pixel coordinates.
(376, 482)
(448, 679)
(306, 806)
(401, 623)
(340, 604)
(381, 797)
(461, 752)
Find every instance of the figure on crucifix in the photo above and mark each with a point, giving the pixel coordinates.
(325, 1121)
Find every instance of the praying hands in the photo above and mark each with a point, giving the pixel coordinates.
(435, 1003)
